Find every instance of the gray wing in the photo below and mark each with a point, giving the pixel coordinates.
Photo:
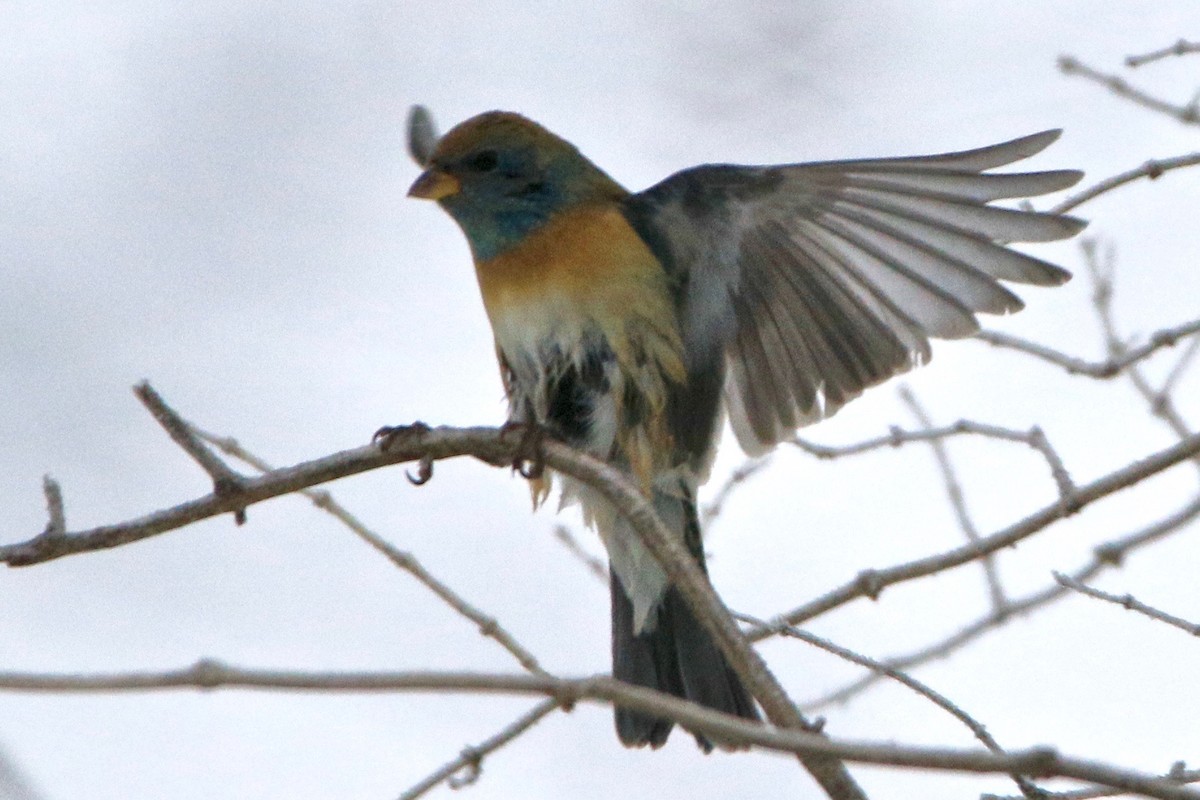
(814, 281)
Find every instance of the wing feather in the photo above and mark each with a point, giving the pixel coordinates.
(807, 283)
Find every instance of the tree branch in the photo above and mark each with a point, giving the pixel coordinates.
(471, 758)
(1110, 367)
(1188, 114)
(955, 493)
(1110, 554)
(870, 583)
(1044, 762)
(898, 437)
(1152, 169)
(425, 445)
(881, 670)
(1180, 48)
(323, 499)
(1128, 602)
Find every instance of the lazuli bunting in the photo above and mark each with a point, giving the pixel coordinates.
(631, 325)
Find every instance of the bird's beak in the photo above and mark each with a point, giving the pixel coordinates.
(433, 184)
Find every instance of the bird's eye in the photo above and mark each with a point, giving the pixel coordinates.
(483, 161)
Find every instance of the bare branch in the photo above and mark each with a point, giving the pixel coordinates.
(225, 480)
(470, 760)
(1111, 367)
(594, 565)
(1102, 269)
(1153, 170)
(1187, 114)
(898, 437)
(1128, 602)
(322, 499)
(57, 523)
(1180, 48)
(957, 500)
(1042, 762)
(1181, 365)
(14, 783)
(870, 583)
(750, 468)
(1179, 773)
(1105, 556)
(419, 442)
(883, 670)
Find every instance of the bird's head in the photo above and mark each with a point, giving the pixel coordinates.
(502, 176)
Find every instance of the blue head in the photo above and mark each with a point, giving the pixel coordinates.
(501, 177)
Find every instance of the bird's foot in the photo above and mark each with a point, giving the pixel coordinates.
(529, 460)
(389, 435)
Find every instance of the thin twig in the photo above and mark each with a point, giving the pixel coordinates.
(225, 480)
(56, 524)
(1110, 367)
(419, 442)
(470, 761)
(898, 437)
(1181, 365)
(1180, 48)
(1042, 762)
(594, 565)
(1105, 556)
(1128, 602)
(1028, 789)
(1153, 170)
(954, 491)
(322, 499)
(870, 583)
(714, 507)
(1179, 773)
(1187, 114)
(1102, 268)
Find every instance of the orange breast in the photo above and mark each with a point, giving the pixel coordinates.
(586, 267)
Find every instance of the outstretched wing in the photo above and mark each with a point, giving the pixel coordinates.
(815, 281)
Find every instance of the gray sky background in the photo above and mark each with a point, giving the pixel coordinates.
(212, 197)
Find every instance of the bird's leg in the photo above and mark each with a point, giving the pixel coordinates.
(529, 459)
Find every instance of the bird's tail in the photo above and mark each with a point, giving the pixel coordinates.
(673, 654)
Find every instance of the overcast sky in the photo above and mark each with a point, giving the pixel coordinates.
(211, 196)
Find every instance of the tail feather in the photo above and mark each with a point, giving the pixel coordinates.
(646, 660)
(677, 656)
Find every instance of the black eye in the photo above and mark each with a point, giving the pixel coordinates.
(483, 161)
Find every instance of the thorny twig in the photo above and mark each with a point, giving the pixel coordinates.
(225, 480)
(869, 583)
(713, 508)
(1110, 367)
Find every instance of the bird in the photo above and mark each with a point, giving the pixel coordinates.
(631, 325)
